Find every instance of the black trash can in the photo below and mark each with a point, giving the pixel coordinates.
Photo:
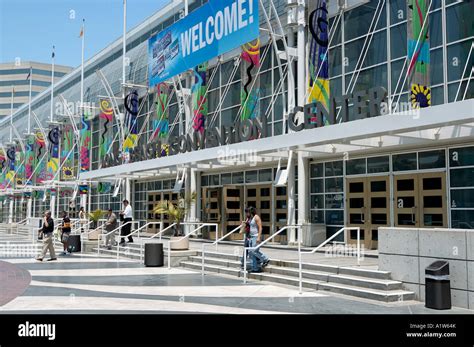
(154, 255)
(438, 286)
(74, 243)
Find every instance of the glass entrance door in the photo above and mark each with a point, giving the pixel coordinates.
(368, 207)
(420, 200)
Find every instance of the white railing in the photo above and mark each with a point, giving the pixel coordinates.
(300, 253)
(247, 250)
(113, 232)
(202, 225)
(215, 243)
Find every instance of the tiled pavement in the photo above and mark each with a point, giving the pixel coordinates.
(89, 284)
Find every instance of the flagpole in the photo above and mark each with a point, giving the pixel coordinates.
(124, 43)
(29, 103)
(11, 114)
(52, 86)
(82, 65)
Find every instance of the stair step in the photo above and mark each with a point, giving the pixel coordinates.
(290, 272)
(288, 280)
(373, 294)
(380, 284)
(217, 261)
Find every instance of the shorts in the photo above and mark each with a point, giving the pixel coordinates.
(64, 237)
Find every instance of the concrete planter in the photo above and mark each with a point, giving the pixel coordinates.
(181, 245)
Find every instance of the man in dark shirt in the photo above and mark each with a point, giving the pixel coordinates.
(65, 231)
(48, 228)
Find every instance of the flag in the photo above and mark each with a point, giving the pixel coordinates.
(53, 55)
(82, 29)
(29, 75)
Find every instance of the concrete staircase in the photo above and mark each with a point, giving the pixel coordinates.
(363, 283)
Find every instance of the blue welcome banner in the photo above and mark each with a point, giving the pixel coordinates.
(215, 28)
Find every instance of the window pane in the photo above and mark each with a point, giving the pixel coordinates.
(334, 201)
(463, 219)
(317, 201)
(334, 217)
(359, 19)
(404, 162)
(317, 186)
(378, 164)
(436, 66)
(398, 9)
(226, 178)
(333, 168)
(251, 176)
(457, 56)
(436, 36)
(355, 167)
(459, 21)
(317, 217)
(237, 177)
(462, 198)
(462, 177)
(334, 184)
(377, 52)
(461, 156)
(431, 159)
(265, 175)
(398, 41)
(316, 170)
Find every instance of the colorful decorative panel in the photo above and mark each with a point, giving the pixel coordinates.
(250, 93)
(3, 168)
(418, 53)
(161, 123)
(131, 125)
(318, 68)
(85, 142)
(53, 162)
(11, 154)
(199, 97)
(41, 158)
(29, 159)
(20, 166)
(67, 152)
(105, 123)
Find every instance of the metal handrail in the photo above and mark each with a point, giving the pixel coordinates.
(187, 236)
(215, 243)
(261, 244)
(300, 253)
(111, 232)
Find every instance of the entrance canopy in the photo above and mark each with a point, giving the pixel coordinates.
(431, 126)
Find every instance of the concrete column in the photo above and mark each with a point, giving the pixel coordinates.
(10, 212)
(291, 201)
(83, 201)
(29, 205)
(303, 191)
(187, 195)
(52, 205)
(127, 190)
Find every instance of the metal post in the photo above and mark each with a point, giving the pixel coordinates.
(358, 246)
(245, 265)
(300, 266)
(202, 260)
(169, 254)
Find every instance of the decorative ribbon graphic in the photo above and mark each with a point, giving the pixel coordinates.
(318, 55)
(67, 155)
(29, 159)
(106, 119)
(104, 187)
(198, 91)
(11, 154)
(40, 162)
(85, 142)
(53, 162)
(131, 107)
(161, 123)
(250, 93)
(20, 167)
(418, 53)
(3, 168)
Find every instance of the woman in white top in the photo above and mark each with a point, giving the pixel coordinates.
(82, 218)
(127, 219)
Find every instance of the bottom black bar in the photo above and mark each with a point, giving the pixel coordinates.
(453, 330)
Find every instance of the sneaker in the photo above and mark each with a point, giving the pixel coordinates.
(109, 247)
(39, 259)
(52, 259)
(266, 262)
(64, 253)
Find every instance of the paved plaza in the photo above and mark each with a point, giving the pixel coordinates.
(83, 283)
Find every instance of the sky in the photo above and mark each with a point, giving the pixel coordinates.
(29, 28)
